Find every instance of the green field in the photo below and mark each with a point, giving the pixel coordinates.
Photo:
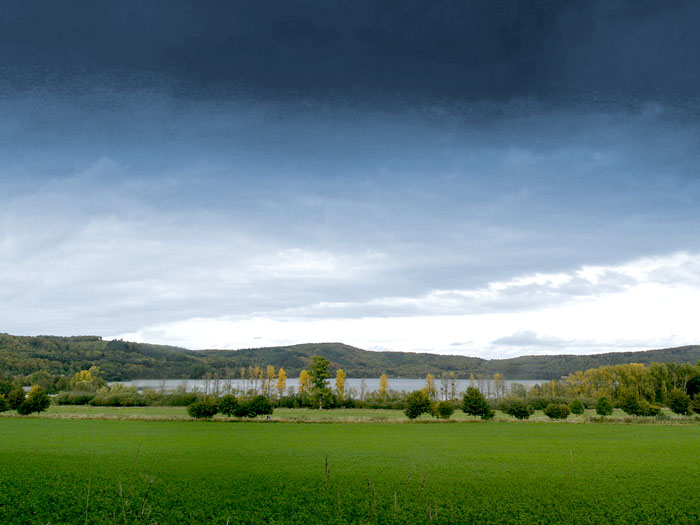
(73, 471)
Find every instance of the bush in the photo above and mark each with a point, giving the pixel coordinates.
(557, 411)
(630, 405)
(228, 405)
(679, 402)
(633, 406)
(4, 407)
(603, 407)
(73, 398)
(474, 404)
(443, 409)
(119, 399)
(648, 410)
(518, 409)
(180, 399)
(37, 401)
(695, 404)
(257, 406)
(541, 402)
(417, 403)
(577, 407)
(203, 409)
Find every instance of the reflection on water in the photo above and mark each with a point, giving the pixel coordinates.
(358, 385)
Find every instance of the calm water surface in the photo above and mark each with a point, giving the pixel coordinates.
(359, 385)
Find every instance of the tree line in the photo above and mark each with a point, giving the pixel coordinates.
(635, 388)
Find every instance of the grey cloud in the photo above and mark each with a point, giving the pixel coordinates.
(529, 338)
(377, 52)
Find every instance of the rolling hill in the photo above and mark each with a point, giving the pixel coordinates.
(123, 360)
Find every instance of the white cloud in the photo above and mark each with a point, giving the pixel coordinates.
(101, 252)
(656, 307)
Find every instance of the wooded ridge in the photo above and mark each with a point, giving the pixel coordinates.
(123, 360)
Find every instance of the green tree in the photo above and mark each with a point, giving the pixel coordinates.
(417, 403)
(603, 407)
(228, 405)
(15, 398)
(577, 407)
(679, 402)
(318, 372)
(319, 376)
(474, 404)
(4, 407)
(6, 385)
(37, 401)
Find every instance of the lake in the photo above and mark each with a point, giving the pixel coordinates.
(370, 384)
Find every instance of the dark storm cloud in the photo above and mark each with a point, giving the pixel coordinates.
(384, 52)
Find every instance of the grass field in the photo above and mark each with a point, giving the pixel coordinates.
(73, 471)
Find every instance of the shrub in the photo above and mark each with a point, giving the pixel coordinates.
(119, 399)
(577, 407)
(180, 399)
(474, 404)
(417, 403)
(695, 404)
(557, 411)
(630, 405)
(603, 407)
(444, 409)
(541, 402)
(37, 401)
(679, 402)
(257, 406)
(228, 405)
(519, 409)
(648, 410)
(73, 398)
(633, 406)
(203, 409)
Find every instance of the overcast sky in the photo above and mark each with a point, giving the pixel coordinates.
(486, 178)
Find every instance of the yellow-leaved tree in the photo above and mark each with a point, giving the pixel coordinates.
(87, 380)
(340, 383)
(383, 385)
(304, 382)
(430, 385)
(270, 375)
(499, 384)
(281, 382)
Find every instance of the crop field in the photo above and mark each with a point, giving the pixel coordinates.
(116, 471)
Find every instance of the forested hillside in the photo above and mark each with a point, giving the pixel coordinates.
(121, 360)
